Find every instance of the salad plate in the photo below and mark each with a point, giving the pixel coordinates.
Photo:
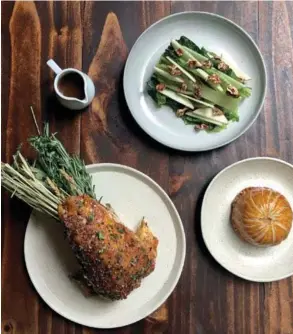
(50, 260)
(260, 264)
(214, 33)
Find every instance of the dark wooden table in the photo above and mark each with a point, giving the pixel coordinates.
(96, 37)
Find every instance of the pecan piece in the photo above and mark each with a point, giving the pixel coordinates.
(214, 78)
(174, 70)
(193, 63)
(160, 87)
(207, 64)
(217, 112)
(233, 91)
(183, 87)
(217, 57)
(197, 92)
(179, 52)
(223, 66)
(201, 127)
(181, 112)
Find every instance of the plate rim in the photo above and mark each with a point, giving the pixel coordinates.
(245, 277)
(263, 66)
(177, 274)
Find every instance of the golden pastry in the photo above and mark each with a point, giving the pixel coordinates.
(261, 216)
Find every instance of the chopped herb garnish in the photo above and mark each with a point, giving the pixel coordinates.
(114, 236)
(134, 277)
(150, 263)
(91, 217)
(101, 251)
(121, 230)
(100, 235)
(133, 261)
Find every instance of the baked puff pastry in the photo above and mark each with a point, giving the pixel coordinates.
(261, 216)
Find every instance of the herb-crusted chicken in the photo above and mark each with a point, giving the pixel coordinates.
(113, 258)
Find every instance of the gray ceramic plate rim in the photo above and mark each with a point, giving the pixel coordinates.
(263, 69)
(202, 208)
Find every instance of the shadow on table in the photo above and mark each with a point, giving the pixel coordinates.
(53, 108)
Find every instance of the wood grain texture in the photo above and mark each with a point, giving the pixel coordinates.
(96, 38)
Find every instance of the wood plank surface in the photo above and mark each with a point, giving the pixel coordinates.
(96, 37)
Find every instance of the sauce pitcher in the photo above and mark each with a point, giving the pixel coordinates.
(74, 89)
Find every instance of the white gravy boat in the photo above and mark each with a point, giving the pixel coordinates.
(72, 102)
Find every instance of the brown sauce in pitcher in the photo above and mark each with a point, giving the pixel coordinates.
(72, 85)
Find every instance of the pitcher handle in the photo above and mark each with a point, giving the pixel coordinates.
(54, 67)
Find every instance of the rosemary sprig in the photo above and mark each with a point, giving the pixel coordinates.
(67, 172)
(54, 175)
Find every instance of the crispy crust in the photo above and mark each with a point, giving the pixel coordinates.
(113, 259)
(261, 216)
(238, 200)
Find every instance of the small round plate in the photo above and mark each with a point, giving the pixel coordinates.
(244, 260)
(49, 259)
(213, 32)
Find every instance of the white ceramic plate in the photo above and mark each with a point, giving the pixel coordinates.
(49, 259)
(244, 260)
(215, 33)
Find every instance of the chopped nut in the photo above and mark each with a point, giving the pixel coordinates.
(181, 112)
(193, 63)
(242, 80)
(174, 70)
(233, 91)
(183, 87)
(160, 87)
(217, 112)
(197, 92)
(200, 127)
(217, 57)
(223, 66)
(214, 78)
(179, 52)
(207, 64)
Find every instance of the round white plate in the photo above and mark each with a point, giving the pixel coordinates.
(244, 260)
(215, 33)
(49, 259)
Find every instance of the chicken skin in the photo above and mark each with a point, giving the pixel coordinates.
(113, 258)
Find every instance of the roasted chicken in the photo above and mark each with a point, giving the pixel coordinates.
(113, 258)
